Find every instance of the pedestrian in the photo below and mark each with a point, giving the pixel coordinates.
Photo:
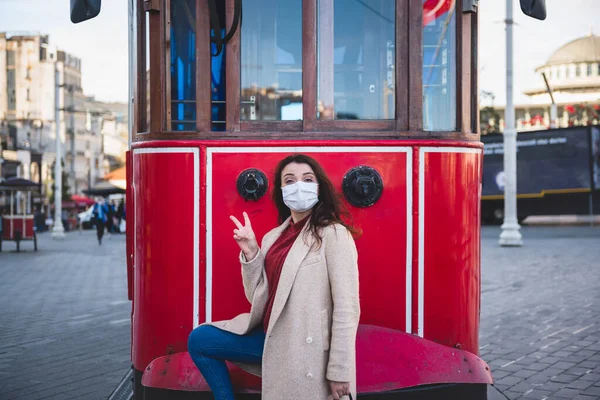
(121, 215)
(302, 283)
(110, 211)
(100, 212)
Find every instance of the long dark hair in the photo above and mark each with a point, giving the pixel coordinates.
(328, 210)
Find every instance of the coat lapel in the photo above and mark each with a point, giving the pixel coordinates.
(290, 268)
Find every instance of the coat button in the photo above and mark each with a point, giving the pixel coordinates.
(309, 376)
(309, 340)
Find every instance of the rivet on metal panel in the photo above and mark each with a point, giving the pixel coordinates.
(163, 372)
(170, 350)
(148, 369)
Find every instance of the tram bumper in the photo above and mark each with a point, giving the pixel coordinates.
(387, 360)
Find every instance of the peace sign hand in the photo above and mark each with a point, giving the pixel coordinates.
(245, 238)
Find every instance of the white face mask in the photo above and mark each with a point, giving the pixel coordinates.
(300, 196)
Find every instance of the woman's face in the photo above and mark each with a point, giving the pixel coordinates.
(295, 172)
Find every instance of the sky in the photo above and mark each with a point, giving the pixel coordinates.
(101, 43)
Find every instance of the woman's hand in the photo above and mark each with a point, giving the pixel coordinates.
(245, 238)
(339, 389)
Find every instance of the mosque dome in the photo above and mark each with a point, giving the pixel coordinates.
(582, 50)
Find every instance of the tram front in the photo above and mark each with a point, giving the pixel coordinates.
(382, 93)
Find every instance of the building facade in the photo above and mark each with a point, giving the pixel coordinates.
(28, 65)
(573, 74)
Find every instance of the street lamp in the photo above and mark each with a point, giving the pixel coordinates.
(58, 230)
(511, 235)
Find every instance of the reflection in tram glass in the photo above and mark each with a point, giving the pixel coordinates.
(183, 65)
(356, 54)
(271, 58)
(439, 65)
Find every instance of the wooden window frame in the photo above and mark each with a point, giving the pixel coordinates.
(408, 122)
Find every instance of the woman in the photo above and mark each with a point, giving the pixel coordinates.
(302, 283)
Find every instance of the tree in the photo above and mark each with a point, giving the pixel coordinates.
(66, 195)
(489, 120)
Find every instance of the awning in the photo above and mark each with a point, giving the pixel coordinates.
(104, 189)
(82, 200)
(118, 177)
(19, 184)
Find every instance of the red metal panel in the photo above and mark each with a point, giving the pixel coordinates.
(386, 360)
(451, 248)
(382, 274)
(14, 223)
(129, 224)
(164, 254)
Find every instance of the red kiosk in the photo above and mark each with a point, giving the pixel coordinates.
(18, 227)
(383, 94)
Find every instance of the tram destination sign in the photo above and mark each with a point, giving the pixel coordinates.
(551, 160)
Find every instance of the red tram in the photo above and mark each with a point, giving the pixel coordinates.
(383, 94)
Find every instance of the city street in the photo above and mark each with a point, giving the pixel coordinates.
(64, 320)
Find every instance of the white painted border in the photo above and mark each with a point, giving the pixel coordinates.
(196, 152)
(312, 149)
(421, 255)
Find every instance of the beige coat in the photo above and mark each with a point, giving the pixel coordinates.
(311, 335)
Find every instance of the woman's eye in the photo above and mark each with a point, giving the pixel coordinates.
(308, 180)
(289, 181)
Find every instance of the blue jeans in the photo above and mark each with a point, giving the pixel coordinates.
(209, 347)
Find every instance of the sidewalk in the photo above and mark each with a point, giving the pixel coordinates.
(64, 320)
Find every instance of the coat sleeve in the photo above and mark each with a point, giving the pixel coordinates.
(252, 272)
(342, 265)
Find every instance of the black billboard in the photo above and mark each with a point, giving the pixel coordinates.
(556, 160)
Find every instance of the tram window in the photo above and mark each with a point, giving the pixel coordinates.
(271, 60)
(183, 65)
(356, 58)
(439, 65)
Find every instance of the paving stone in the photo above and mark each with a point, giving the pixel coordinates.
(585, 397)
(579, 384)
(508, 381)
(564, 365)
(500, 374)
(592, 391)
(563, 378)
(524, 373)
(538, 366)
(592, 377)
(566, 393)
(550, 359)
(551, 386)
(577, 370)
(588, 364)
(586, 353)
